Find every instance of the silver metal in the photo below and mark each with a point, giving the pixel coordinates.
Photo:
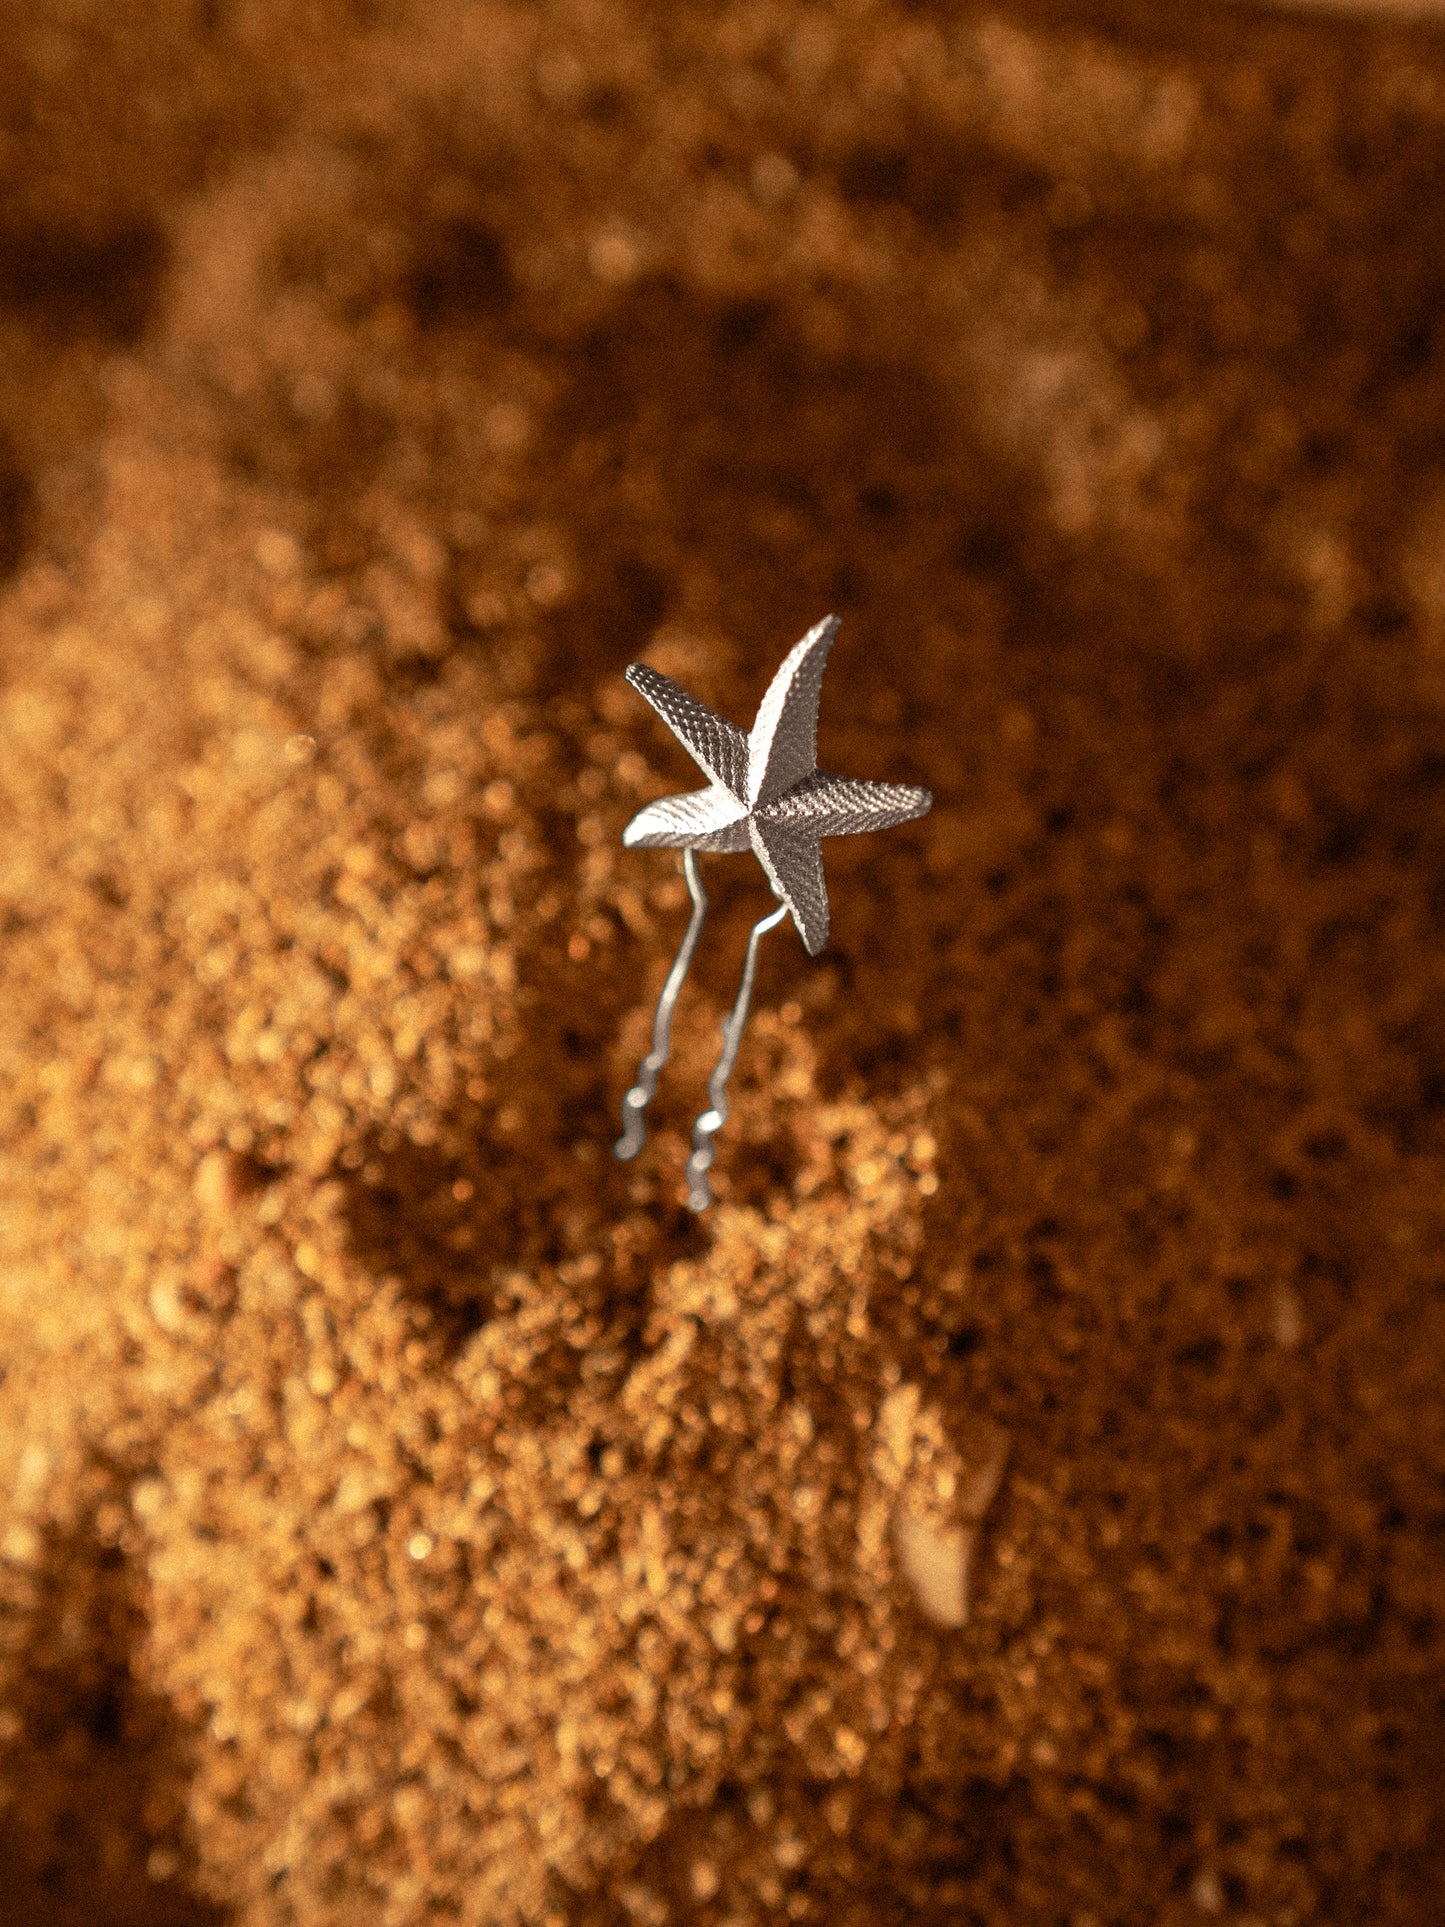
(764, 793)
(634, 1105)
(699, 1193)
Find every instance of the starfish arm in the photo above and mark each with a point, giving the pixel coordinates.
(783, 745)
(718, 747)
(790, 854)
(710, 819)
(829, 805)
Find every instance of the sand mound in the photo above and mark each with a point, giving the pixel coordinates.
(1019, 1499)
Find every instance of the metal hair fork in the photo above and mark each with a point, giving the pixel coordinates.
(764, 793)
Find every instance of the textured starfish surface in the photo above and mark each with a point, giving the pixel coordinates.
(765, 791)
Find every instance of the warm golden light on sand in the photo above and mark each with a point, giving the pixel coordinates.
(1017, 1500)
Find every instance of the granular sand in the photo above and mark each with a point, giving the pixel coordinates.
(407, 1513)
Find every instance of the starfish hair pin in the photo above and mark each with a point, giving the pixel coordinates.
(765, 793)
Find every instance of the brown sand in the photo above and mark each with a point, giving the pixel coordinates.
(409, 1515)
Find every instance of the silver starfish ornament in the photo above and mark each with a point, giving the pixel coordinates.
(765, 793)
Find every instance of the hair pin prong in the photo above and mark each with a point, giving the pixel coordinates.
(634, 1105)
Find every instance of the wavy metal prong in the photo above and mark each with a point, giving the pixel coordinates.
(699, 1193)
(634, 1105)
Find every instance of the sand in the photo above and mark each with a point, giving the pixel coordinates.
(1019, 1500)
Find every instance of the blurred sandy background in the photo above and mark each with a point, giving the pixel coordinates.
(408, 1515)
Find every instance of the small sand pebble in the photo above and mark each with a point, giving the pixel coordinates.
(219, 1182)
